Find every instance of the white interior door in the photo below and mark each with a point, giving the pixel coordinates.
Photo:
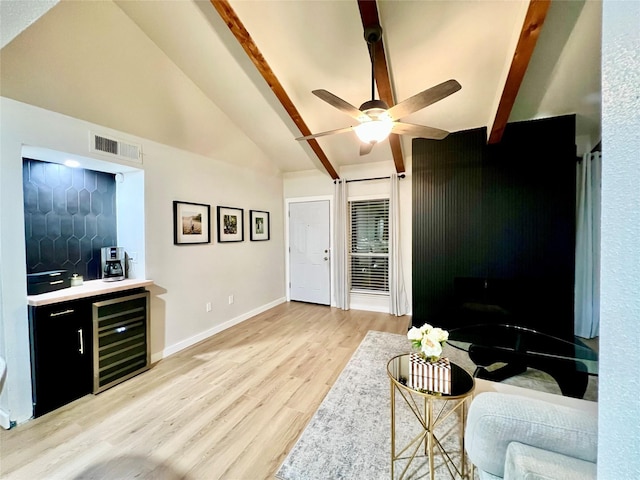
(309, 261)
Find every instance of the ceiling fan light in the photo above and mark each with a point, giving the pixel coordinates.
(374, 131)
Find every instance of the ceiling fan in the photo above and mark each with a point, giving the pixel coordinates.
(376, 119)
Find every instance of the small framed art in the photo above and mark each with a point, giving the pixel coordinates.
(191, 223)
(230, 224)
(260, 228)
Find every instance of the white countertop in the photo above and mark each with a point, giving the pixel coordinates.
(89, 288)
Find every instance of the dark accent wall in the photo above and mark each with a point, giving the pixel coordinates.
(69, 216)
(503, 213)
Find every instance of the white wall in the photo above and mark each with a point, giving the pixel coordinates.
(313, 184)
(129, 210)
(619, 411)
(185, 277)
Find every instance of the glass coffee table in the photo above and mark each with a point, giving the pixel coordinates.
(421, 403)
(519, 348)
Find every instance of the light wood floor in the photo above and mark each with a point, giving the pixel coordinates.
(230, 407)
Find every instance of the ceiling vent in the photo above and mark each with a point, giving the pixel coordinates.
(116, 148)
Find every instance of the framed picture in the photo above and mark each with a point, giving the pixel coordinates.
(191, 223)
(230, 224)
(260, 228)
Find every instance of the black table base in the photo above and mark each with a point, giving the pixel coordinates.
(571, 375)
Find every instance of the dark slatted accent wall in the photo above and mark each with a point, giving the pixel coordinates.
(503, 213)
(447, 219)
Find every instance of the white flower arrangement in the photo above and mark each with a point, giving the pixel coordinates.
(428, 340)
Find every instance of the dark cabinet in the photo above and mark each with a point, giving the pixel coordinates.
(86, 346)
(61, 354)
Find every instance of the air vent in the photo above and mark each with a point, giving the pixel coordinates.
(117, 148)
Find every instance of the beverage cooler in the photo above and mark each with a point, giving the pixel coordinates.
(120, 339)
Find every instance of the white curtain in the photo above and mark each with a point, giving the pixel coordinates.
(398, 304)
(341, 245)
(587, 287)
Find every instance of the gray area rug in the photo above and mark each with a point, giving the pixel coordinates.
(349, 435)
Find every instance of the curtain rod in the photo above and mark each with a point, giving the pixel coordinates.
(402, 175)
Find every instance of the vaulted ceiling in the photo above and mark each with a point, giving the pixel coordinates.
(233, 79)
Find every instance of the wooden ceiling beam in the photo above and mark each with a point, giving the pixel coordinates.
(370, 17)
(534, 19)
(232, 20)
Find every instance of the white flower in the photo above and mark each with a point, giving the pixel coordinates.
(414, 334)
(426, 328)
(439, 335)
(428, 339)
(431, 347)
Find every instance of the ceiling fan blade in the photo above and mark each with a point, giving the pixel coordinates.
(365, 148)
(423, 99)
(340, 104)
(322, 134)
(419, 131)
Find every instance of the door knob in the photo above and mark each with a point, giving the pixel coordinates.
(326, 258)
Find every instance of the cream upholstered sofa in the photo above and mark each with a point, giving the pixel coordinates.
(516, 437)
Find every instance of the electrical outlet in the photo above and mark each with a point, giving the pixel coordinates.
(230, 299)
(208, 306)
(133, 257)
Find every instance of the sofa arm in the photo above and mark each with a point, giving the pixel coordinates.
(497, 419)
(527, 463)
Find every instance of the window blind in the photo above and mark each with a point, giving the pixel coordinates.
(369, 246)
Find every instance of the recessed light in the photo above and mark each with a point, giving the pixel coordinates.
(72, 163)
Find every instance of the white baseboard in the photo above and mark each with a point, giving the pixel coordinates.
(371, 308)
(368, 308)
(155, 357)
(5, 422)
(369, 302)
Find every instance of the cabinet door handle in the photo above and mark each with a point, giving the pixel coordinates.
(64, 312)
(81, 350)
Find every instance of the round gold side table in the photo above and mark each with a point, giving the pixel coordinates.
(421, 403)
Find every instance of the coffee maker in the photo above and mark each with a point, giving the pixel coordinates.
(112, 264)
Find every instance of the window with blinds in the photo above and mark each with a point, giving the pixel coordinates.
(369, 249)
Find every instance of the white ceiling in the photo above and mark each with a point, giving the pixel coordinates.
(172, 71)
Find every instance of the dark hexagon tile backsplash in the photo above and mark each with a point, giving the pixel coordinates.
(69, 215)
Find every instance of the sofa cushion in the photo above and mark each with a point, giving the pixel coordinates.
(497, 419)
(525, 462)
(482, 475)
